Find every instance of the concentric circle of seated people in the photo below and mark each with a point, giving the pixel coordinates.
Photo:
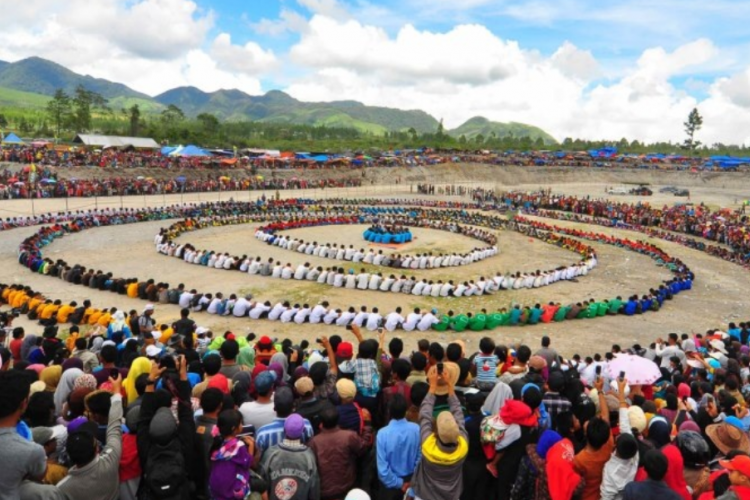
(387, 234)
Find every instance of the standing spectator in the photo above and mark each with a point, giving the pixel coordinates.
(439, 475)
(20, 458)
(550, 355)
(272, 433)
(590, 462)
(653, 488)
(95, 474)
(309, 406)
(336, 451)
(290, 467)
(146, 322)
(398, 451)
(261, 411)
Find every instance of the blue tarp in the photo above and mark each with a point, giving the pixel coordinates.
(167, 149)
(191, 150)
(603, 152)
(12, 139)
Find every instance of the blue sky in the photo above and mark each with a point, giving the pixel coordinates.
(580, 68)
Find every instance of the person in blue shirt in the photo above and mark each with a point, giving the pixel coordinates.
(630, 306)
(398, 451)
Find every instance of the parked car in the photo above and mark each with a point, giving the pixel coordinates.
(682, 192)
(641, 191)
(668, 189)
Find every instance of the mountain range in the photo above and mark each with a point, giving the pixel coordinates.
(30, 82)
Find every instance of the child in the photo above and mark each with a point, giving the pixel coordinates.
(231, 458)
(44, 436)
(485, 365)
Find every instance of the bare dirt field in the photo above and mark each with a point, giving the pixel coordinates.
(719, 294)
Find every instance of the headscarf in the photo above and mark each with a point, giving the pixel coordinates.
(546, 441)
(96, 345)
(36, 368)
(65, 387)
(544, 419)
(72, 363)
(139, 367)
(246, 357)
(51, 377)
(87, 381)
(37, 356)
(497, 398)
(659, 431)
(29, 344)
(281, 359)
(118, 323)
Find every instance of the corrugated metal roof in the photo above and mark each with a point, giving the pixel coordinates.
(115, 140)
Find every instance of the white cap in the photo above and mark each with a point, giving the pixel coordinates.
(152, 351)
(149, 307)
(156, 334)
(108, 342)
(201, 330)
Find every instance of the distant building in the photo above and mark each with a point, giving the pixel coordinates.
(115, 141)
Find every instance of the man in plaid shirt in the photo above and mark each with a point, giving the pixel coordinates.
(553, 400)
(365, 367)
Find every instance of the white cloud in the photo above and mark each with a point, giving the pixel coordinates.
(288, 21)
(574, 62)
(736, 89)
(249, 59)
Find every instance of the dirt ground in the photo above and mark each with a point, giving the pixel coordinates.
(719, 294)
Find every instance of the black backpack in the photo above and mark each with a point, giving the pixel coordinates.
(165, 475)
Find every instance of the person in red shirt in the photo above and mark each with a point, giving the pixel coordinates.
(15, 344)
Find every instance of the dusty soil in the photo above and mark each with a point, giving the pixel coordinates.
(719, 294)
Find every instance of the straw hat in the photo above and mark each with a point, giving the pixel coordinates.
(727, 437)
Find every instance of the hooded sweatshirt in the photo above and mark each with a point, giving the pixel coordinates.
(230, 471)
(439, 475)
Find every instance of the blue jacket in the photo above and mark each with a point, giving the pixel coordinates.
(649, 490)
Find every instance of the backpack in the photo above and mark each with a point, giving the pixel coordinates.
(489, 430)
(165, 473)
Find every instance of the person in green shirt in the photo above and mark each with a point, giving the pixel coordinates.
(615, 305)
(478, 322)
(445, 322)
(515, 315)
(602, 308)
(560, 314)
(460, 322)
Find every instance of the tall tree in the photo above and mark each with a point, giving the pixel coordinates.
(84, 103)
(209, 122)
(58, 109)
(692, 125)
(135, 120)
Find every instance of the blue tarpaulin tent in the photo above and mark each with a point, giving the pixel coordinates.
(608, 152)
(12, 139)
(191, 150)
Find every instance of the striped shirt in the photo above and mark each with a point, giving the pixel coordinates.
(273, 434)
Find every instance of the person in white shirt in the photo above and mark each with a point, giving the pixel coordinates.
(363, 279)
(277, 310)
(203, 303)
(185, 298)
(358, 256)
(349, 254)
(242, 306)
(245, 265)
(346, 317)
(340, 253)
(361, 317)
(393, 320)
(301, 272)
(220, 261)
(332, 274)
(427, 321)
(446, 289)
(331, 316)
(412, 319)
(228, 263)
(276, 273)
(320, 310)
(287, 272)
(398, 284)
(387, 283)
(288, 315)
(460, 289)
(338, 279)
(257, 310)
(427, 290)
(417, 290)
(313, 274)
(369, 257)
(378, 259)
(435, 290)
(375, 280)
(323, 277)
(213, 306)
(374, 320)
(351, 280)
(254, 266)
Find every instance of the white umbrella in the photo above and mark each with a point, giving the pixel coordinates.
(638, 370)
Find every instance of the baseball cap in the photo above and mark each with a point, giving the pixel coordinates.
(264, 381)
(42, 435)
(201, 330)
(345, 350)
(447, 428)
(265, 340)
(149, 307)
(152, 351)
(304, 385)
(294, 426)
(740, 463)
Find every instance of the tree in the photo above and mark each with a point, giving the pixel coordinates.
(3, 120)
(479, 139)
(58, 109)
(135, 119)
(209, 122)
(440, 135)
(692, 125)
(84, 102)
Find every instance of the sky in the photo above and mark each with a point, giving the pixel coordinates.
(593, 69)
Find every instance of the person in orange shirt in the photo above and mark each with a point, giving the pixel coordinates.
(133, 289)
(34, 302)
(106, 317)
(20, 299)
(94, 317)
(65, 311)
(50, 310)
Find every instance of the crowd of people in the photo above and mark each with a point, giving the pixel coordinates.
(30, 256)
(132, 409)
(729, 229)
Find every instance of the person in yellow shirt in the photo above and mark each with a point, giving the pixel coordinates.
(20, 299)
(6, 293)
(50, 310)
(65, 311)
(106, 317)
(35, 301)
(166, 333)
(133, 289)
(94, 317)
(88, 312)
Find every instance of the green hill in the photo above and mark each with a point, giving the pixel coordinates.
(480, 125)
(41, 76)
(18, 99)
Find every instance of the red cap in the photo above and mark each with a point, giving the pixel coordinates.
(265, 340)
(345, 350)
(740, 463)
(231, 337)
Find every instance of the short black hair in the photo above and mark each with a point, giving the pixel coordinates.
(211, 400)
(99, 403)
(14, 389)
(419, 391)
(81, 344)
(453, 352)
(597, 433)
(329, 417)
(141, 383)
(212, 364)
(41, 409)
(486, 345)
(396, 347)
(108, 353)
(418, 361)
(523, 354)
(437, 351)
(545, 341)
(656, 464)
(229, 350)
(397, 406)
(423, 344)
(401, 367)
